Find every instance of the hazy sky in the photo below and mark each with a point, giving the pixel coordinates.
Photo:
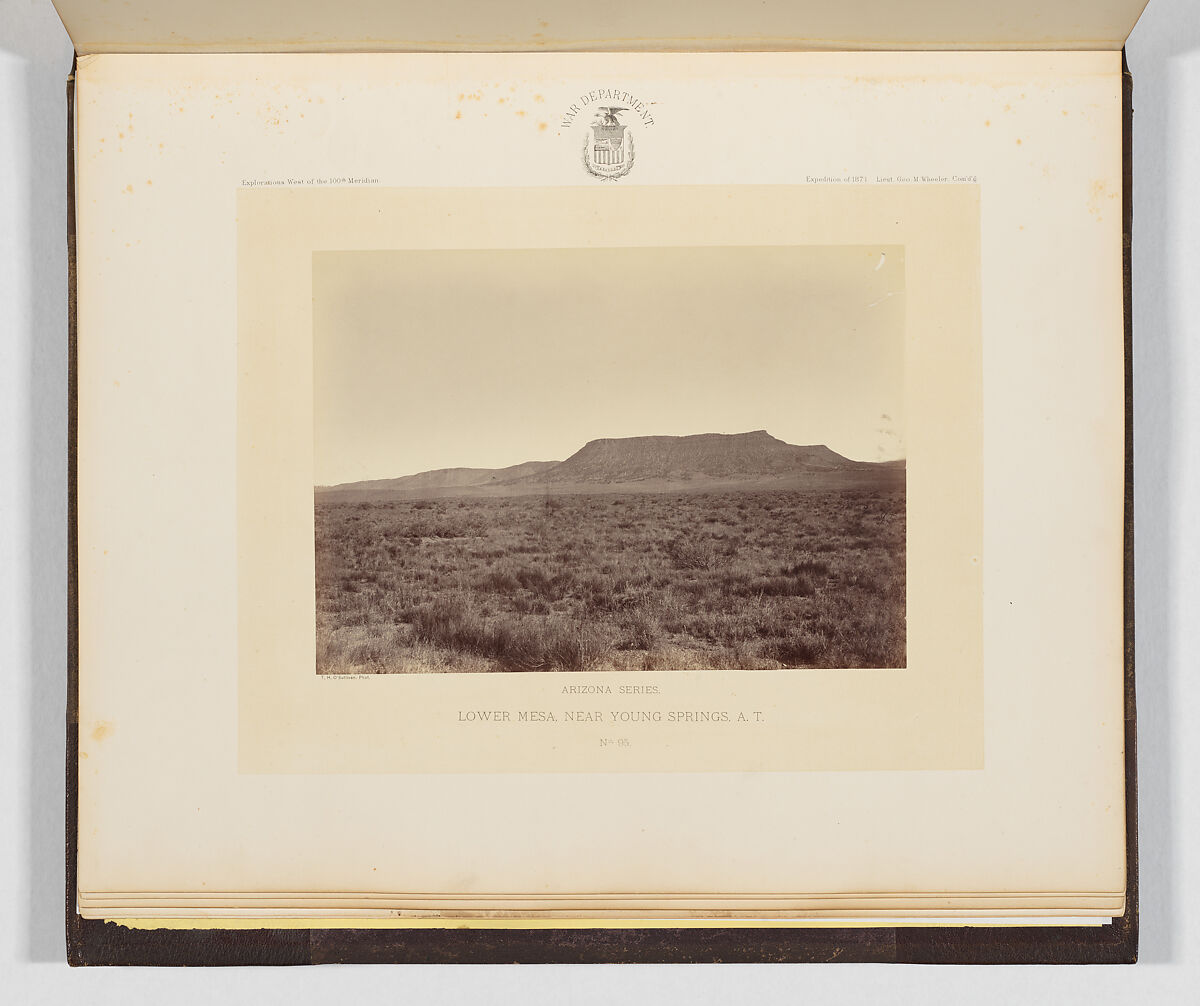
(442, 359)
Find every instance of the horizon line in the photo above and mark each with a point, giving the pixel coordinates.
(646, 436)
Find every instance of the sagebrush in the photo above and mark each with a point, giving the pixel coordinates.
(740, 580)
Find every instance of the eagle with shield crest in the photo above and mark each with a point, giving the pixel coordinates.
(608, 148)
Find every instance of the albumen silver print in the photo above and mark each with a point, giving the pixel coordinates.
(609, 459)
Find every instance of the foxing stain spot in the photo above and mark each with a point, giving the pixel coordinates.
(102, 730)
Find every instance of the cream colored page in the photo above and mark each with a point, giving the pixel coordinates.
(731, 717)
(466, 25)
(165, 147)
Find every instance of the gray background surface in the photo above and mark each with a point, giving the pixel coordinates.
(35, 57)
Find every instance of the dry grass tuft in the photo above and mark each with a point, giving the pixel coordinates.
(612, 582)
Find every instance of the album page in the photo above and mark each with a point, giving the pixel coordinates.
(601, 484)
(177, 26)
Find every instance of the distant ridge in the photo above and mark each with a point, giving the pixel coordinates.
(754, 460)
(444, 478)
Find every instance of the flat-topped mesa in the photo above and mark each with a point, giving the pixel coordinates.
(753, 460)
(712, 455)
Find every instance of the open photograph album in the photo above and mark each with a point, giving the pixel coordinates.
(601, 490)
